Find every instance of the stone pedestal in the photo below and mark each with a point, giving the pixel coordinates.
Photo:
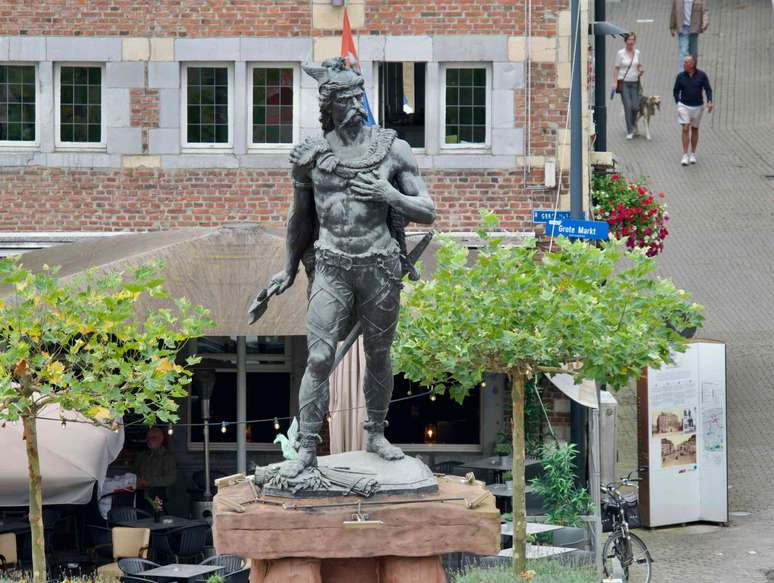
(315, 546)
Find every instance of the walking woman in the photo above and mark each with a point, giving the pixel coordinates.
(626, 75)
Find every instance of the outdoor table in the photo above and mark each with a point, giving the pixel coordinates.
(166, 523)
(496, 464)
(538, 551)
(506, 529)
(180, 571)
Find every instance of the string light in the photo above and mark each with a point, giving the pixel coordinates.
(64, 423)
(483, 384)
(432, 396)
(170, 430)
(276, 424)
(223, 427)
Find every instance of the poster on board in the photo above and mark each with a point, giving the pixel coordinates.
(682, 438)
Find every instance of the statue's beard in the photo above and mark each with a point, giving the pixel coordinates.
(356, 115)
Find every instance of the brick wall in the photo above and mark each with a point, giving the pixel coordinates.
(51, 199)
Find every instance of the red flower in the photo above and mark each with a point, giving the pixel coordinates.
(642, 190)
(615, 177)
(661, 194)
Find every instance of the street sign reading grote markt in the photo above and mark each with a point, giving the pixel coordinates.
(578, 229)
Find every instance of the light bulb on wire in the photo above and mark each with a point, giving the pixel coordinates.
(223, 427)
(276, 424)
(432, 396)
(170, 430)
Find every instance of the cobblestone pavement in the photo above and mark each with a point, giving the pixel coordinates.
(720, 249)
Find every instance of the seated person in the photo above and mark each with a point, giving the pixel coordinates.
(156, 469)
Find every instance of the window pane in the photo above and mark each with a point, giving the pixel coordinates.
(402, 100)
(207, 99)
(272, 105)
(80, 107)
(451, 422)
(466, 104)
(17, 102)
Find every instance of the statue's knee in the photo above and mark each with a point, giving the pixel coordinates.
(319, 363)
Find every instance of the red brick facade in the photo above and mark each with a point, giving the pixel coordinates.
(48, 198)
(51, 199)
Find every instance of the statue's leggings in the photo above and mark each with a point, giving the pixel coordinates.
(346, 289)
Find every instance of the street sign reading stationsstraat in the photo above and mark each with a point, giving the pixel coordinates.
(578, 229)
(548, 215)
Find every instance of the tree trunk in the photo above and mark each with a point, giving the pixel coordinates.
(36, 501)
(519, 502)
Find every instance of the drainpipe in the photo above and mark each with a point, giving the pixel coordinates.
(600, 87)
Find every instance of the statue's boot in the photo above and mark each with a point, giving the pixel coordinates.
(307, 456)
(377, 443)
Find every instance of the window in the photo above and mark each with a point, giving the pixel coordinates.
(402, 100)
(207, 99)
(274, 106)
(17, 103)
(466, 106)
(79, 106)
(267, 391)
(439, 422)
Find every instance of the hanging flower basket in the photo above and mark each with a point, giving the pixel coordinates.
(632, 211)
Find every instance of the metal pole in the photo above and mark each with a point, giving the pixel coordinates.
(600, 87)
(241, 404)
(576, 119)
(206, 419)
(578, 421)
(595, 445)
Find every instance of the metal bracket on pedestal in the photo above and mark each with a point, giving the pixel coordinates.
(360, 520)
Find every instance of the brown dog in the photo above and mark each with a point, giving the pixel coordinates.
(648, 108)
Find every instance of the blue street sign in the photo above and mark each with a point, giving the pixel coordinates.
(579, 229)
(546, 215)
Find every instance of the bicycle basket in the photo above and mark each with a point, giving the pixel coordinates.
(632, 509)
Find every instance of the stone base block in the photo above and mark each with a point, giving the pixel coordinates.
(373, 570)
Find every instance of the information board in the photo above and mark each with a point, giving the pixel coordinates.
(682, 438)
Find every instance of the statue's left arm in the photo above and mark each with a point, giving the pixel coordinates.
(411, 197)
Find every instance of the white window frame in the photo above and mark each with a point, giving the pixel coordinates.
(80, 146)
(199, 147)
(9, 145)
(254, 147)
(461, 148)
(376, 104)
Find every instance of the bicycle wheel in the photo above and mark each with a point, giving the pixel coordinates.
(632, 566)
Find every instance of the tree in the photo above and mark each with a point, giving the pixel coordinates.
(593, 312)
(78, 344)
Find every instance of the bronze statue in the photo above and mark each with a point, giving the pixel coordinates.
(354, 189)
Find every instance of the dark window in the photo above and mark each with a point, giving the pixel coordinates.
(466, 106)
(17, 103)
(268, 396)
(448, 421)
(228, 344)
(272, 105)
(80, 104)
(207, 121)
(402, 100)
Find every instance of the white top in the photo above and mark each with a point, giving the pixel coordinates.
(687, 10)
(622, 61)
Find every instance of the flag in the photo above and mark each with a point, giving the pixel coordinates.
(349, 52)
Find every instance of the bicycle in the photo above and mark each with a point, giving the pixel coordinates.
(633, 557)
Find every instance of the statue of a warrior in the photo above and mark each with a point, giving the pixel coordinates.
(354, 189)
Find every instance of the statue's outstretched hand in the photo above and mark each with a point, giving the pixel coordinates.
(283, 280)
(372, 187)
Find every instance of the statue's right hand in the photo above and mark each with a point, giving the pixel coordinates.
(283, 280)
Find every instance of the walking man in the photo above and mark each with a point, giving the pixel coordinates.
(689, 19)
(690, 87)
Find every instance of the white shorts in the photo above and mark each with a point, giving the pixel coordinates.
(689, 114)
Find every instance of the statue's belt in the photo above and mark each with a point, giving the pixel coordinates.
(347, 262)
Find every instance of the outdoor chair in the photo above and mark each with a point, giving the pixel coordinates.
(127, 543)
(235, 569)
(133, 569)
(186, 543)
(100, 543)
(8, 557)
(125, 514)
